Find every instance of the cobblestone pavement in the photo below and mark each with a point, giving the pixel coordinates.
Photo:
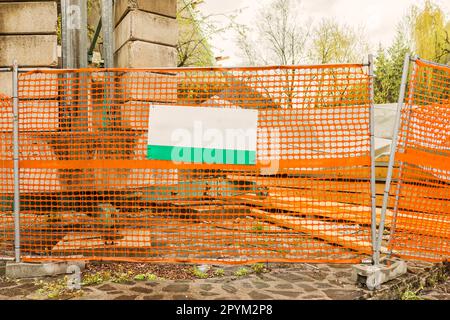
(284, 281)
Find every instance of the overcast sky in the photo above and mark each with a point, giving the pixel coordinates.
(378, 18)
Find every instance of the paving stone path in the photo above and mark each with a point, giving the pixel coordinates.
(440, 292)
(287, 281)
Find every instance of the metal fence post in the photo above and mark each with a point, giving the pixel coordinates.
(15, 79)
(108, 32)
(372, 156)
(74, 33)
(392, 157)
(400, 170)
(108, 56)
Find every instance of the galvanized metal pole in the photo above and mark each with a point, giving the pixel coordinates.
(15, 96)
(74, 33)
(392, 158)
(401, 149)
(108, 32)
(108, 56)
(75, 55)
(372, 156)
(65, 51)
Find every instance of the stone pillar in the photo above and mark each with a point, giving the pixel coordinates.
(28, 34)
(146, 33)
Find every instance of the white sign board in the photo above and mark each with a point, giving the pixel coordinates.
(202, 135)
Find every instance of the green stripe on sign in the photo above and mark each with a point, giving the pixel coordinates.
(200, 155)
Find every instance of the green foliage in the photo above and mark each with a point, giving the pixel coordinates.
(95, 278)
(333, 42)
(430, 32)
(241, 272)
(259, 268)
(58, 30)
(388, 70)
(219, 272)
(146, 277)
(410, 294)
(57, 289)
(198, 273)
(122, 277)
(194, 31)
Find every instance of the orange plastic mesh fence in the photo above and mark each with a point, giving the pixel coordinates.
(421, 226)
(6, 176)
(87, 187)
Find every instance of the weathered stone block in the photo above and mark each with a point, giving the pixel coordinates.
(144, 26)
(6, 83)
(162, 7)
(29, 50)
(139, 54)
(28, 17)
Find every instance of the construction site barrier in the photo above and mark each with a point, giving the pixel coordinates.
(419, 216)
(100, 178)
(6, 173)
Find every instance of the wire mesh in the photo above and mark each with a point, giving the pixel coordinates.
(88, 188)
(421, 221)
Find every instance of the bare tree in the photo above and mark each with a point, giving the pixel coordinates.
(275, 37)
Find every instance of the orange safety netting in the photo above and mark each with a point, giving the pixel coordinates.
(6, 175)
(420, 227)
(88, 189)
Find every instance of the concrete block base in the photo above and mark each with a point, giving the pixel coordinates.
(35, 270)
(373, 276)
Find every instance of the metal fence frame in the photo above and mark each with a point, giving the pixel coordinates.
(376, 234)
(408, 74)
(16, 155)
(387, 185)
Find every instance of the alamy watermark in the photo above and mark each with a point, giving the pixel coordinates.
(230, 146)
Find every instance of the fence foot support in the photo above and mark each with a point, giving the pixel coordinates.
(374, 275)
(36, 270)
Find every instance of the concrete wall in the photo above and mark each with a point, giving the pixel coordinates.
(146, 33)
(28, 34)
